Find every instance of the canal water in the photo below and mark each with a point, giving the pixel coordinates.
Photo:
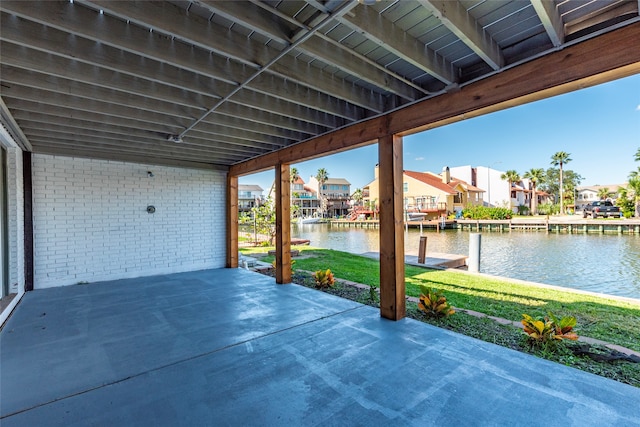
(593, 262)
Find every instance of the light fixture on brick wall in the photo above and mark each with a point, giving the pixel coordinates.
(150, 174)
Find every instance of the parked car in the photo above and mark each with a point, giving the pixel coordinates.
(601, 208)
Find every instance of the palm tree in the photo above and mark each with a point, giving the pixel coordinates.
(637, 156)
(511, 176)
(603, 193)
(634, 184)
(322, 176)
(534, 175)
(560, 159)
(294, 175)
(357, 196)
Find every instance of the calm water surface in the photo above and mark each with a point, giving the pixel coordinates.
(594, 262)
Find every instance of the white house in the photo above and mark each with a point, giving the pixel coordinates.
(248, 197)
(588, 194)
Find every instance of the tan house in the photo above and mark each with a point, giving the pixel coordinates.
(429, 193)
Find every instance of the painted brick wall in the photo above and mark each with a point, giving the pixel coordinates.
(15, 210)
(91, 222)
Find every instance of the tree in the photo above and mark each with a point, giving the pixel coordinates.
(294, 175)
(634, 185)
(603, 193)
(357, 196)
(322, 176)
(534, 175)
(626, 202)
(637, 156)
(263, 218)
(560, 159)
(511, 176)
(552, 177)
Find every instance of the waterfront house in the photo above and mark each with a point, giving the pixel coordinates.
(496, 190)
(249, 196)
(336, 192)
(588, 194)
(304, 198)
(429, 193)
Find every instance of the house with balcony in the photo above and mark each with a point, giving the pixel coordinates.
(428, 193)
(249, 196)
(304, 198)
(336, 192)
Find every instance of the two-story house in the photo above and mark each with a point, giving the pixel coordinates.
(248, 197)
(337, 194)
(430, 194)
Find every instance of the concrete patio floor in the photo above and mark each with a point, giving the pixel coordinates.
(230, 347)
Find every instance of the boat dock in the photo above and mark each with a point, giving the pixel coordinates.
(553, 225)
(432, 260)
(549, 225)
(374, 223)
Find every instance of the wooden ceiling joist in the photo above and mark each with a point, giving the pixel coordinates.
(611, 56)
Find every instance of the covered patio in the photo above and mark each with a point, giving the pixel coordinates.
(231, 347)
(125, 127)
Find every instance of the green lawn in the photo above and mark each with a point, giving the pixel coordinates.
(601, 318)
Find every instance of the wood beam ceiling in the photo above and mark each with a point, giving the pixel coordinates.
(608, 57)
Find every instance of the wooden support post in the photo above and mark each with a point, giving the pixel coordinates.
(392, 286)
(283, 224)
(232, 221)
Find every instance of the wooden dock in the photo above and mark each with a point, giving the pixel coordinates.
(432, 260)
(553, 225)
(548, 225)
(374, 223)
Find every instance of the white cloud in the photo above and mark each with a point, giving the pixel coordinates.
(638, 107)
(422, 158)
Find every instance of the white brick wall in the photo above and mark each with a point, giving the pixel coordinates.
(15, 211)
(91, 223)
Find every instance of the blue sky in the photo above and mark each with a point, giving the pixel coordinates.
(598, 126)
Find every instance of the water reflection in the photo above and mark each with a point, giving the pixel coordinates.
(599, 263)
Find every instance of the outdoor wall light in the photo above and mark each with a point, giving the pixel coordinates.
(150, 174)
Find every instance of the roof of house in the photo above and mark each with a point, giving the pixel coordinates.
(434, 181)
(613, 188)
(244, 187)
(339, 181)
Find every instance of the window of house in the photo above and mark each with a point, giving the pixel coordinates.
(405, 187)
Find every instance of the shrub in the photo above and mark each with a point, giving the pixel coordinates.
(523, 210)
(433, 303)
(324, 279)
(548, 209)
(548, 330)
(484, 212)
